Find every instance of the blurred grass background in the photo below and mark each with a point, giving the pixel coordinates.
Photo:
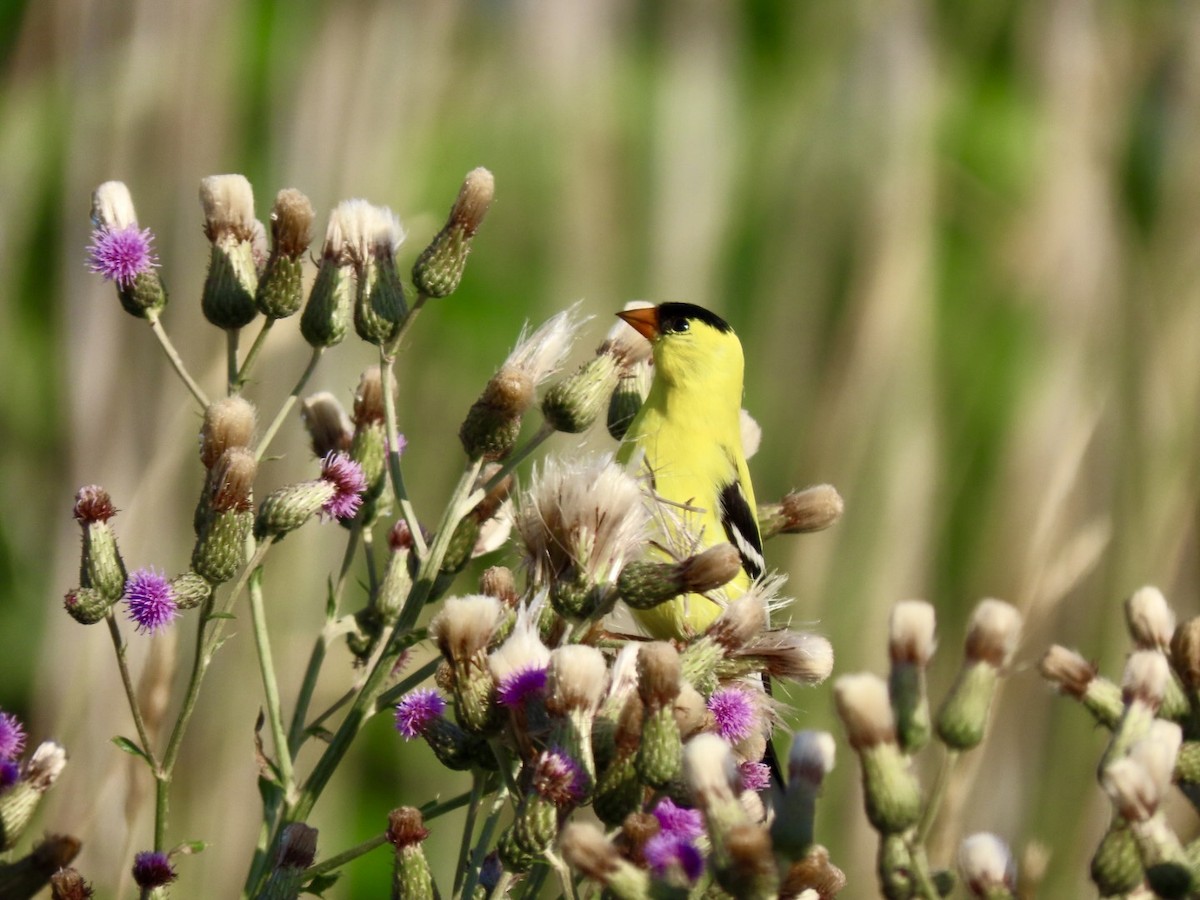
(959, 242)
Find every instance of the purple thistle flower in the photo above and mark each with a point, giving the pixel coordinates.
(416, 710)
(152, 868)
(558, 778)
(121, 254)
(736, 713)
(348, 482)
(518, 687)
(10, 773)
(12, 736)
(151, 600)
(756, 776)
(678, 821)
(665, 851)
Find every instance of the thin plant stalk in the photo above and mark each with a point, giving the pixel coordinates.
(286, 408)
(260, 341)
(485, 841)
(266, 666)
(386, 361)
(177, 362)
(936, 795)
(468, 833)
(135, 708)
(232, 385)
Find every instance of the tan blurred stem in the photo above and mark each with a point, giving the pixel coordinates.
(317, 658)
(564, 874)
(936, 795)
(386, 362)
(252, 356)
(130, 693)
(502, 885)
(429, 812)
(176, 362)
(266, 666)
(269, 434)
(208, 640)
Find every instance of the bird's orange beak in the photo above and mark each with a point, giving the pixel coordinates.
(644, 320)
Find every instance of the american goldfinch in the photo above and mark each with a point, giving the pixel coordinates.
(689, 434)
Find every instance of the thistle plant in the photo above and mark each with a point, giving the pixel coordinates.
(541, 688)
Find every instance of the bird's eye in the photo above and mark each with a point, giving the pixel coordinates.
(678, 326)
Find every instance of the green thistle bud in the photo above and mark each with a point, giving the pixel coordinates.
(494, 421)
(221, 549)
(280, 293)
(895, 868)
(438, 270)
(1116, 865)
(190, 590)
(286, 509)
(536, 825)
(623, 404)
(454, 748)
(372, 237)
(512, 854)
(411, 878)
(660, 758)
(573, 404)
(87, 606)
(20, 801)
(644, 585)
(395, 586)
(992, 636)
(228, 296)
(910, 646)
(146, 297)
(1075, 676)
(326, 316)
(368, 448)
(101, 566)
(297, 850)
(619, 791)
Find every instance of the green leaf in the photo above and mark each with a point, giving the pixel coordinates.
(222, 615)
(131, 747)
(321, 883)
(189, 848)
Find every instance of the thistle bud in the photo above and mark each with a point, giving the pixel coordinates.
(297, 850)
(645, 585)
(87, 606)
(891, 793)
(1075, 676)
(575, 681)
(329, 427)
(816, 874)
(1150, 619)
(326, 316)
(809, 761)
(101, 566)
(627, 398)
(27, 876)
(280, 292)
(190, 590)
(462, 631)
(229, 224)
(660, 756)
(438, 270)
(372, 235)
(910, 646)
(68, 884)
(1143, 685)
(221, 544)
(124, 253)
(19, 802)
(619, 790)
(586, 849)
(745, 865)
(1117, 866)
(987, 867)
(411, 877)
(992, 636)
(573, 404)
(336, 494)
(228, 422)
(801, 512)
(498, 582)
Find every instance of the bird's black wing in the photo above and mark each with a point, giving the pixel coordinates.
(741, 528)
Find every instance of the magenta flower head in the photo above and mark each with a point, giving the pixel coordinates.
(10, 773)
(152, 868)
(665, 852)
(518, 687)
(756, 776)
(151, 600)
(735, 712)
(12, 736)
(122, 254)
(678, 821)
(416, 710)
(348, 482)
(558, 778)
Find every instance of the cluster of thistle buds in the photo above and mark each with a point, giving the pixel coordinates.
(545, 692)
(1154, 741)
(888, 722)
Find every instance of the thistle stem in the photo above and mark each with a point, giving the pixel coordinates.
(269, 434)
(386, 361)
(936, 795)
(468, 833)
(252, 356)
(130, 694)
(266, 666)
(485, 840)
(514, 460)
(176, 362)
(231, 363)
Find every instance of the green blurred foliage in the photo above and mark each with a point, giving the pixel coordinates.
(957, 241)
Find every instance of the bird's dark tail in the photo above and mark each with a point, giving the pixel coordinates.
(771, 758)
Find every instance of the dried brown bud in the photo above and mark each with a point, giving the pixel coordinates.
(406, 827)
(233, 480)
(369, 399)
(659, 672)
(291, 222)
(498, 582)
(93, 504)
(1185, 652)
(228, 422)
(1068, 670)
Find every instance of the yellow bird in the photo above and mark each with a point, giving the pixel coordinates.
(689, 432)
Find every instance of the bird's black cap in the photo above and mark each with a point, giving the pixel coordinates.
(669, 311)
